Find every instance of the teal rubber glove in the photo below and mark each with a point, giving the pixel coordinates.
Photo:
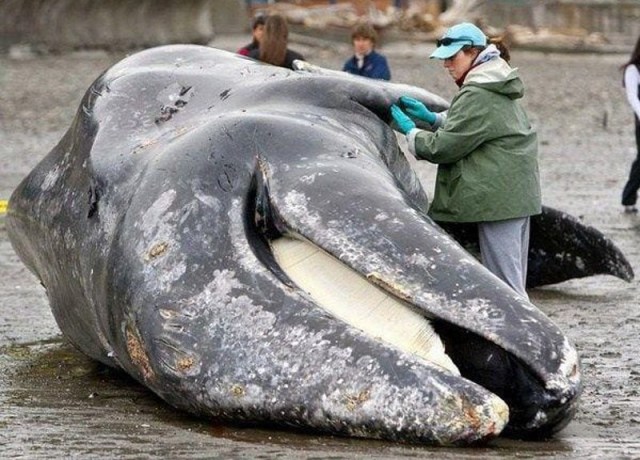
(403, 122)
(417, 109)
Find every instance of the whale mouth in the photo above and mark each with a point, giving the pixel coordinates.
(352, 298)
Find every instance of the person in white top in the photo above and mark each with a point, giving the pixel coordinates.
(632, 88)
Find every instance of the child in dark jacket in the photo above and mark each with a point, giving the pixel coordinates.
(366, 61)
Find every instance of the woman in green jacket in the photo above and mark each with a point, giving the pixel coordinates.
(485, 149)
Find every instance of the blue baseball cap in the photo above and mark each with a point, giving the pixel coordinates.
(456, 37)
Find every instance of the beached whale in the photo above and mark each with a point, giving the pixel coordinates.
(249, 243)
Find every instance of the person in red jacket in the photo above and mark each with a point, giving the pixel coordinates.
(257, 30)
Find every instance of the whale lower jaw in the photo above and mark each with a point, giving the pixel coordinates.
(354, 299)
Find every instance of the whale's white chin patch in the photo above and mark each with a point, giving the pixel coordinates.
(350, 297)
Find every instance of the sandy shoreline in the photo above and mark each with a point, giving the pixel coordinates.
(56, 403)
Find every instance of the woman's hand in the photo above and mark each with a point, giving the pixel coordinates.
(403, 122)
(417, 109)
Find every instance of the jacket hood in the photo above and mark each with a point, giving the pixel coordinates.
(497, 76)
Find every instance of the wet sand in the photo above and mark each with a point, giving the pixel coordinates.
(55, 403)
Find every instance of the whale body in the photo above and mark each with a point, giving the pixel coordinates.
(250, 243)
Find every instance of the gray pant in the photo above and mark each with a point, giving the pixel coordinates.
(504, 249)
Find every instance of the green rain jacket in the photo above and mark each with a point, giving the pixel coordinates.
(486, 151)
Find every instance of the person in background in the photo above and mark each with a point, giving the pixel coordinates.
(486, 151)
(257, 29)
(273, 45)
(366, 61)
(632, 87)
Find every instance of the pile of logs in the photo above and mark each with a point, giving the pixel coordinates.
(427, 18)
